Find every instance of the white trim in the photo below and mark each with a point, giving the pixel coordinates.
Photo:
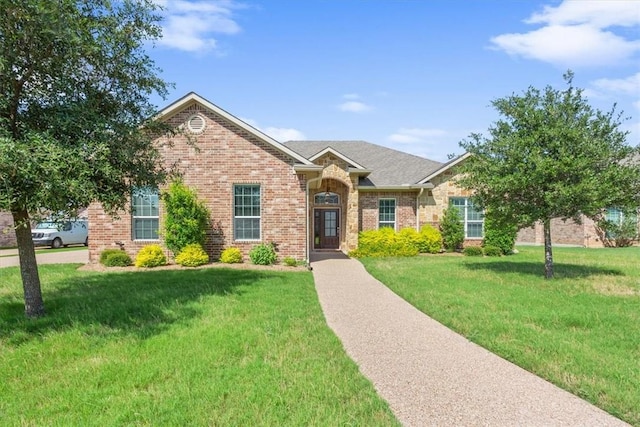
(337, 154)
(395, 212)
(445, 167)
(192, 97)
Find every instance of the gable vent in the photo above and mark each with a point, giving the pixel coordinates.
(196, 123)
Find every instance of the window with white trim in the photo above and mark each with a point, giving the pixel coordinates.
(144, 214)
(387, 213)
(472, 217)
(246, 212)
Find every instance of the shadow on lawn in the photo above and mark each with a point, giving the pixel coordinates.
(561, 270)
(129, 303)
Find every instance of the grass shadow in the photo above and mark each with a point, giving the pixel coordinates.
(561, 270)
(141, 304)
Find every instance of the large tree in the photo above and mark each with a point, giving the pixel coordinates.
(75, 121)
(551, 155)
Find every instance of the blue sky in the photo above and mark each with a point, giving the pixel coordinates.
(417, 76)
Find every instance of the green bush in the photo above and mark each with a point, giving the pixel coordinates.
(409, 237)
(289, 261)
(151, 256)
(231, 256)
(430, 240)
(619, 234)
(473, 251)
(493, 251)
(452, 229)
(499, 233)
(186, 219)
(384, 242)
(263, 254)
(115, 258)
(192, 256)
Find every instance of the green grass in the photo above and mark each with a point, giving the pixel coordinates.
(172, 348)
(580, 330)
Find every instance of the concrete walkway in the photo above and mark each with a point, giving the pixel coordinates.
(429, 374)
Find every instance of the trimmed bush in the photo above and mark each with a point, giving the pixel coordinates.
(263, 254)
(499, 233)
(115, 258)
(289, 261)
(384, 242)
(186, 218)
(430, 240)
(231, 256)
(409, 237)
(452, 229)
(192, 256)
(473, 251)
(151, 256)
(492, 251)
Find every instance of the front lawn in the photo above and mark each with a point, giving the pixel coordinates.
(580, 331)
(177, 347)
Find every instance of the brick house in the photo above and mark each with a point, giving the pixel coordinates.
(302, 195)
(7, 233)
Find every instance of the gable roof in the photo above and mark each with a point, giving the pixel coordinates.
(389, 167)
(192, 98)
(451, 163)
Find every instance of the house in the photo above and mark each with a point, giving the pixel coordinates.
(7, 233)
(302, 195)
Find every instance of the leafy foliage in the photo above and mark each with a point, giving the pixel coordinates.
(115, 258)
(192, 255)
(473, 251)
(151, 256)
(551, 155)
(430, 241)
(289, 261)
(186, 218)
(384, 242)
(619, 235)
(263, 254)
(490, 250)
(500, 233)
(231, 256)
(452, 229)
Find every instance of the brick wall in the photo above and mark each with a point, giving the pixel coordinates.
(216, 159)
(7, 233)
(405, 209)
(562, 233)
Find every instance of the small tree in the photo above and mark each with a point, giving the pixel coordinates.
(186, 219)
(452, 229)
(618, 234)
(499, 232)
(551, 155)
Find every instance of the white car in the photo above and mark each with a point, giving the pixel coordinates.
(58, 234)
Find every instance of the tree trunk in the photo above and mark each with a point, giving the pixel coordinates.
(548, 255)
(33, 304)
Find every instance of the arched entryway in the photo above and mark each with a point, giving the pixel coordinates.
(328, 213)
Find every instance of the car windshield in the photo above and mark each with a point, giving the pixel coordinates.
(47, 225)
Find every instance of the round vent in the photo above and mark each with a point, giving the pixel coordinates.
(196, 123)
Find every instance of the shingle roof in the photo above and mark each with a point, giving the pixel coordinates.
(389, 167)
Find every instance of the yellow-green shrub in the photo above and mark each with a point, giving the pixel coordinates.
(384, 242)
(192, 256)
(231, 256)
(150, 256)
(430, 240)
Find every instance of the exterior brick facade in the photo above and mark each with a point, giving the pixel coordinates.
(7, 233)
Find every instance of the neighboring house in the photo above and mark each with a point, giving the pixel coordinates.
(302, 195)
(7, 233)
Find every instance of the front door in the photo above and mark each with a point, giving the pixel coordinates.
(326, 229)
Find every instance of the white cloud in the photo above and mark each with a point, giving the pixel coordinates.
(354, 107)
(577, 33)
(285, 134)
(415, 135)
(189, 25)
(627, 86)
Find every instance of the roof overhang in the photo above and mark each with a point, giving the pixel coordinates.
(412, 187)
(337, 154)
(445, 167)
(193, 98)
(307, 168)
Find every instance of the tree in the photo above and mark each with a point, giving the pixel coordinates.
(452, 229)
(551, 155)
(75, 121)
(187, 218)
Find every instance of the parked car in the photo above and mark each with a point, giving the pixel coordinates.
(58, 234)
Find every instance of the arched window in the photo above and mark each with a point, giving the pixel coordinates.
(326, 198)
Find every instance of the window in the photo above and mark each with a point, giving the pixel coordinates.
(144, 207)
(472, 217)
(614, 215)
(246, 212)
(387, 213)
(326, 198)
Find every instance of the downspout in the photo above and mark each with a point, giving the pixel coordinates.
(308, 223)
(418, 209)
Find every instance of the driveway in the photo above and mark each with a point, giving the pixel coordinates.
(9, 257)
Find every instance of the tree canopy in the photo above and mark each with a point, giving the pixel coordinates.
(551, 155)
(75, 120)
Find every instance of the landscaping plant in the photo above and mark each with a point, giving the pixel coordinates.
(499, 233)
(263, 254)
(115, 258)
(186, 219)
(231, 256)
(151, 256)
(430, 240)
(452, 229)
(192, 255)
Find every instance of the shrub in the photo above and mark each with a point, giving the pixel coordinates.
(115, 258)
(473, 251)
(192, 256)
(452, 229)
(263, 254)
(231, 256)
(499, 232)
(384, 242)
(290, 261)
(430, 240)
(621, 233)
(151, 256)
(493, 251)
(186, 218)
(409, 237)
